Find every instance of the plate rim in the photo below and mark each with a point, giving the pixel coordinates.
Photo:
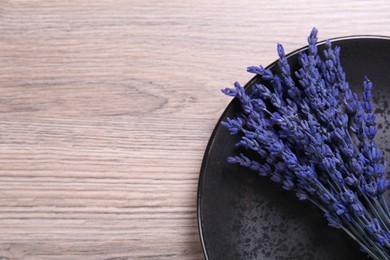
(250, 82)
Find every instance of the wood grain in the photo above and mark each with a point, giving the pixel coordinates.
(106, 108)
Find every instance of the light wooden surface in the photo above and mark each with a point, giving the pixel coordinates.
(106, 108)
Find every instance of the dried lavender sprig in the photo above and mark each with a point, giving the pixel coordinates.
(246, 162)
(322, 103)
(367, 95)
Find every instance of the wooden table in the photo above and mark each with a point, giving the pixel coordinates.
(106, 108)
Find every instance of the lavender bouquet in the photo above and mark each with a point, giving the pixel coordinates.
(311, 133)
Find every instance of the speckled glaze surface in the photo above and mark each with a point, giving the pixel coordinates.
(245, 216)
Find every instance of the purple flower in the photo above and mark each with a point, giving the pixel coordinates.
(357, 209)
(348, 197)
(333, 221)
(382, 185)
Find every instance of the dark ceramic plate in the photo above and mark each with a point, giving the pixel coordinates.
(244, 216)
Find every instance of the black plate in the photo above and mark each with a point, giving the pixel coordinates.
(245, 216)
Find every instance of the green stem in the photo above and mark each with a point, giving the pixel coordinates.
(364, 241)
(385, 206)
(361, 244)
(373, 244)
(376, 213)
